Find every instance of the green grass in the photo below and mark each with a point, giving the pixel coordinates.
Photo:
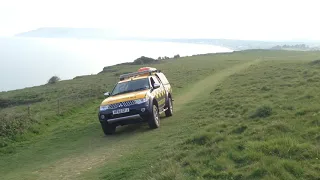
(223, 140)
(259, 121)
(17, 125)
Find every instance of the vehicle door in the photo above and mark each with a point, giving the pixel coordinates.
(158, 93)
(164, 81)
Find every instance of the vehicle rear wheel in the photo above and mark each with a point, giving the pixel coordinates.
(154, 120)
(169, 111)
(108, 129)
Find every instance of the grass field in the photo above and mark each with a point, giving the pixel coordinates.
(243, 115)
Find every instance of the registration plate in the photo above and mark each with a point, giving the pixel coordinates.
(120, 111)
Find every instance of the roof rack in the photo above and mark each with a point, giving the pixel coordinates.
(133, 74)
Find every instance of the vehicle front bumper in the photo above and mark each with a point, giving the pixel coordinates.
(137, 113)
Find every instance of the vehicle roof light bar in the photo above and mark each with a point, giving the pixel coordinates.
(133, 74)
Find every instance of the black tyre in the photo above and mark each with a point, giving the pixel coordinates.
(169, 111)
(154, 119)
(108, 129)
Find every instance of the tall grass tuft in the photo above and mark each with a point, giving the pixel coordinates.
(262, 112)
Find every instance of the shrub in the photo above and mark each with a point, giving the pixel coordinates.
(4, 103)
(262, 112)
(315, 62)
(144, 60)
(15, 101)
(176, 56)
(53, 80)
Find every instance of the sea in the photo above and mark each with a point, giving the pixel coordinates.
(27, 62)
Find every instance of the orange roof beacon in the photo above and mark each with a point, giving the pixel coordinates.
(146, 69)
(140, 96)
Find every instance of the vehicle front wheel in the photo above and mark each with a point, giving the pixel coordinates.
(154, 120)
(169, 111)
(108, 129)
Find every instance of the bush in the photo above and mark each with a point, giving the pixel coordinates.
(176, 56)
(144, 60)
(315, 62)
(53, 80)
(4, 103)
(262, 112)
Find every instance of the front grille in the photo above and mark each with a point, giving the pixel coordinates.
(129, 103)
(122, 104)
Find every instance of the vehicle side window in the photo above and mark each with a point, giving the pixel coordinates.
(151, 81)
(154, 80)
(159, 81)
(163, 78)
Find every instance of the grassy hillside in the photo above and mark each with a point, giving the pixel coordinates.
(17, 124)
(244, 115)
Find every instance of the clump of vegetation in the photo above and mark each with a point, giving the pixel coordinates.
(262, 112)
(110, 69)
(240, 129)
(315, 62)
(53, 80)
(301, 112)
(163, 58)
(27, 98)
(200, 139)
(258, 173)
(139, 61)
(297, 46)
(286, 148)
(265, 88)
(278, 127)
(144, 60)
(5, 103)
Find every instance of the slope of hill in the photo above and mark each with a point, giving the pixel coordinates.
(63, 32)
(243, 115)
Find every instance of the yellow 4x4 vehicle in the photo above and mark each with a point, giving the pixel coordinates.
(138, 97)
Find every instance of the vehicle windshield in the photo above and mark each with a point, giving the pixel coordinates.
(131, 86)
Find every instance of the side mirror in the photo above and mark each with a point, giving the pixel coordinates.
(156, 85)
(107, 94)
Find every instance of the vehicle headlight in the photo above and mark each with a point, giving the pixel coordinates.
(140, 101)
(103, 108)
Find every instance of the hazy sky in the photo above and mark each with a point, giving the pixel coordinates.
(245, 19)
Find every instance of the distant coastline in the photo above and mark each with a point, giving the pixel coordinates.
(67, 58)
(93, 33)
